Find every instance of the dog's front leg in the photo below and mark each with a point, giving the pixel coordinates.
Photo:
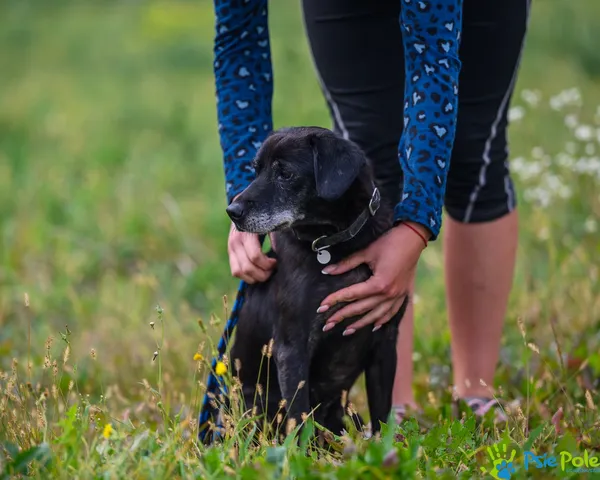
(379, 379)
(381, 371)
(292, 368)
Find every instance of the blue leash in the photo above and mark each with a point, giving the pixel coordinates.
(215, 383)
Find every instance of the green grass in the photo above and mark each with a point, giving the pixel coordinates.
(112, 202)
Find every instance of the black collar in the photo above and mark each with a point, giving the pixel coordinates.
(325, 241)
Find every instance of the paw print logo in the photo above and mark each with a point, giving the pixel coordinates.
(501, 461)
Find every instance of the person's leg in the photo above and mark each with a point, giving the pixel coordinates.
(480, 237)
(403, 396)
(479, 264)
(358, 54)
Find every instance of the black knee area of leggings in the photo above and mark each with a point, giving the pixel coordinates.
(479, 186)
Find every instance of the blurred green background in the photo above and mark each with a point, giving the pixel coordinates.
(112, 193)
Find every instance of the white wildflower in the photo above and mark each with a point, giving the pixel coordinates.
(516, 113)
(590, 225)
(516, 164)
(585, 133)
(590, 149)
(538, 195)
(565, 160)
(537, 152)
(587, 166)
(571, 120)
(555, 184)
(531, 97)
(531, 170)
(570, 97)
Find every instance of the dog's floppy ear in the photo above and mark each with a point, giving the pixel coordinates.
(337, 163)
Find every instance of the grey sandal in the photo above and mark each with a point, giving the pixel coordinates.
(482, 405)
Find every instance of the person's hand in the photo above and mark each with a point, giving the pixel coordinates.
(393, 260)
(246, 258)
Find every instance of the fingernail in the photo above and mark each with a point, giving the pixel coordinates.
(377, 327)
(328, 270)
(348, 331)
(322, 308)
(328, 326)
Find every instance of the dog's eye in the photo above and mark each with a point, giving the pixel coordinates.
(281, 172)
(285, 174)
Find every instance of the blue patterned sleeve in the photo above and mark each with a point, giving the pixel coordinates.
(431, 32)
(244, 86)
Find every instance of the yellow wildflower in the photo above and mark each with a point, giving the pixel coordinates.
(198, 357)
(221, 368)
(107, 430)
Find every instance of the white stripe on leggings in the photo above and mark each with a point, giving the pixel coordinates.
(494, 132)
(334, 108)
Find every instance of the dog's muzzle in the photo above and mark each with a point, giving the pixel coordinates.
(235, 211)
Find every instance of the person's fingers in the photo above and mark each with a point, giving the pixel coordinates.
(236, 269)
(358, 291)
(353, 309)
(393, 311)
(261, 275)
(381, 314)
(251, 270)
(346, 264)
(243, 249)
(255, 254)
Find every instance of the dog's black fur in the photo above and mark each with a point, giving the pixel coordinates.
(311, 182)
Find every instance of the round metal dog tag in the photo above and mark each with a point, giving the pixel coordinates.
(323, 257)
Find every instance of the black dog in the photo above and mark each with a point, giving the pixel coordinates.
(315, 191)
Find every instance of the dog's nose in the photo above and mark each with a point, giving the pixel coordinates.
(235, 211)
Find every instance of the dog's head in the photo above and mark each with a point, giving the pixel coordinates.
(301, 173)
